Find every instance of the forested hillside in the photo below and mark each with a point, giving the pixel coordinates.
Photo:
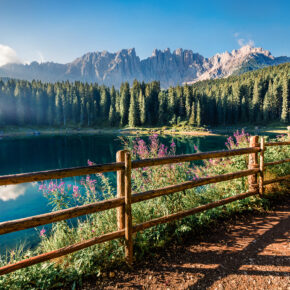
(258, 97)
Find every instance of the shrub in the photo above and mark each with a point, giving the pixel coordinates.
(95, 259)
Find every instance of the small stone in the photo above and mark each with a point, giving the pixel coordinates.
(111, 274)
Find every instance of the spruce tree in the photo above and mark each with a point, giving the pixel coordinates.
(124, 103)
(188, 100)
(256, 112)
(198, 114)
(133, 122)
(285, 100)
(191, 120)
(267, 107)
(142, 108)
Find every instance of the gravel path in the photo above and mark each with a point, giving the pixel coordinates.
(250, 253)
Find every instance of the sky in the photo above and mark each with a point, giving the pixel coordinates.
(62, 30)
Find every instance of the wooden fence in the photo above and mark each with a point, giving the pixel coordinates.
(125, 199)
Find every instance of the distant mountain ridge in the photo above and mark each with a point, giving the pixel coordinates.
(170, 68)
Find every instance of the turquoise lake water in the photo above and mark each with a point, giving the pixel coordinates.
(35, 153)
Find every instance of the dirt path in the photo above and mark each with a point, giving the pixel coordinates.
(252, 253)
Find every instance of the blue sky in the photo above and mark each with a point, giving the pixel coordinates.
(63, 30)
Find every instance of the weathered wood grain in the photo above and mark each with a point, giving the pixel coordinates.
(192, 157)
(190, 184)
(55, 216)
(120, 157)
(60, 252)
(278, 179)
(128, 211)
(276, 162)
(59, 173)
(183, 214)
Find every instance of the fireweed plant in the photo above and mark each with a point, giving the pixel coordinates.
(71, 269)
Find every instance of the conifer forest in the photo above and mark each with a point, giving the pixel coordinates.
(256, 97)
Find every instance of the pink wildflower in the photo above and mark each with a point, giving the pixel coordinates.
(42, 232)
(90, 163)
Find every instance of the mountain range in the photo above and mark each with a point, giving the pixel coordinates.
(170, 68)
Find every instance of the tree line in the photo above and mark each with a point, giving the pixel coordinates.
(256, 97)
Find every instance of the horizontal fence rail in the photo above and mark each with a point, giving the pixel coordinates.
(190, 184)
(59, 173)
(125, 199)
(192, 211)
(277, 162)
(55, 216)
(277, 143)
(192, 157)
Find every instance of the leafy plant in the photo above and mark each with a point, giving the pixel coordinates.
(71, 269)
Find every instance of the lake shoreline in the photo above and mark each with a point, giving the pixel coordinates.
(20, 132)
(89, 131)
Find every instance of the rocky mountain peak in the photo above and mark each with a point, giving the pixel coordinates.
(170, 68)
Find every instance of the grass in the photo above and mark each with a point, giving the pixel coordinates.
(72, 269)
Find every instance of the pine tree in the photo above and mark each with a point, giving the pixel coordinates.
(276, 100)
(133, 122)
(256, 113)
(51, 102)
(192, 115)
(188, 100)
(244, 111)
(198, 114)
(58, 108)
(267, 107)
(162, 114)
(285, 100)
(142, 108)
(124, 103)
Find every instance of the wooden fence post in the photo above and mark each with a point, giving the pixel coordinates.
(120, 157)
(261, 178)
(128, 211)
(253, 163)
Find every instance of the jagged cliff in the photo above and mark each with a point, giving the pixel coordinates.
(170, 68)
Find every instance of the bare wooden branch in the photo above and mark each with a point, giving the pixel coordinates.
(191, 157)
(55, 216)
(277, 143)
(60, 252)
(183, 214)
(59, 173)
(277, 162)
(120, 156)
(190, 184)
(128, 211)
(278, 179)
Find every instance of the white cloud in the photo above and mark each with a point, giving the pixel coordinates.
(243, 41)
(251, 42)
(8, 55)
(40, 56)
(14, 191)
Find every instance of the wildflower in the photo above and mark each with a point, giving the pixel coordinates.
(90, 163)
(76, 191)
(42, 232)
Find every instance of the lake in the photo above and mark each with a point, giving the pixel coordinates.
(35, 153)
